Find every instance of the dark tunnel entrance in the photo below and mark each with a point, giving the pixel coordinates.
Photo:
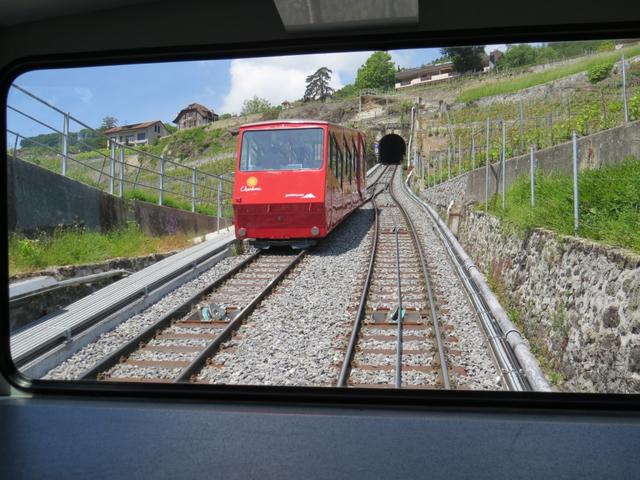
(392, 148)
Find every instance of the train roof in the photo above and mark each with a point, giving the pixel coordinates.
(293, 121)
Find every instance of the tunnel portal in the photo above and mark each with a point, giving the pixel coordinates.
(392, 148)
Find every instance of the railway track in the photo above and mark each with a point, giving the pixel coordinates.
(396, 340)
(404, 336)
(180, 343)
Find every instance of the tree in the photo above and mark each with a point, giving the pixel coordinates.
(255, 105)
(519, 56)
(318, 85)
(108, 122)
(347, 91)
(465, 59)
(377, 72)
(170, 128)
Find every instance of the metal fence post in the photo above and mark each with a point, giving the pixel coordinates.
(624, 92)
(15, 147)
(459, 155)
(219, 208)
(521, 127)
(486, 172)
(504, 157)
(65, 143)
(473, 148)
(112, 167)
(533, 177)
(428, 168)
(161, 181)
(449, 163)
(121, 183)
(193, 190)
(576, 199)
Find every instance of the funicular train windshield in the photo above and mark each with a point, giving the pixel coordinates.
(282, 149)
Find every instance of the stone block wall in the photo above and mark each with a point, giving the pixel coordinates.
(579, 301)
(442, 194)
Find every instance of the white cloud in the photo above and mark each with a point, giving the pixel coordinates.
(85, 94)
(283, 78)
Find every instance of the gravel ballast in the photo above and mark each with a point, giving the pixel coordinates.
(458, 313)
(296, 335)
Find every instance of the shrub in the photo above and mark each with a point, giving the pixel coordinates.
(634, 107)
(597, 73)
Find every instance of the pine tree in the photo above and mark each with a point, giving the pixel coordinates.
(318, 85)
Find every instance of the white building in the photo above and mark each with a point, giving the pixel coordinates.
(137, 133)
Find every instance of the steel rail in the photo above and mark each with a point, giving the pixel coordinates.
(147, 334)
(33, 343)
(355, 332)
(346, 365)
(518, 368)
(399, 330)
(425, 272)
(200, 361)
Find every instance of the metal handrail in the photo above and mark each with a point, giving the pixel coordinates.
(203, 184)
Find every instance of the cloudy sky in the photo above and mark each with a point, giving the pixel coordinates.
(138, 93)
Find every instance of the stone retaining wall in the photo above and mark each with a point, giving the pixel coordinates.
(579, 302)
(38, 305)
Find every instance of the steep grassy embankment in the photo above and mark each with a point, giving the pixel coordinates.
(609, 204)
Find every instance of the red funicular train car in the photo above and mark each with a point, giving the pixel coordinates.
(296, 180)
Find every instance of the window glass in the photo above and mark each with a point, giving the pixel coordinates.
(286, 149)
(486, 137)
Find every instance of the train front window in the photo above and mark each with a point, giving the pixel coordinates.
(286, 149)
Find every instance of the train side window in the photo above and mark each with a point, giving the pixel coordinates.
(334, 156)
(349, 159)
(340, 171)
(356, 159)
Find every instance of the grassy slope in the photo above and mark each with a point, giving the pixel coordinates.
(530, 80)
(609, 204)
(74, 247)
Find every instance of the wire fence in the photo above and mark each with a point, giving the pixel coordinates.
(490, 143)
(458, 147)
(124, 170)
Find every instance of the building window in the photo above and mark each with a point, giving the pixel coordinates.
(405, 82)
(142, 136)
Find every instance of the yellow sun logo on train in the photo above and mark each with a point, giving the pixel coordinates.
(252, 181)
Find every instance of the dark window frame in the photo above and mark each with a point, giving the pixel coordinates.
(551, 402)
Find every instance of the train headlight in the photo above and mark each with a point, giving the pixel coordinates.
(242, 232)
(315, 231)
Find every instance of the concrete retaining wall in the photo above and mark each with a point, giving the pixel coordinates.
(604, 148)
(38, 199)
(579, 301)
